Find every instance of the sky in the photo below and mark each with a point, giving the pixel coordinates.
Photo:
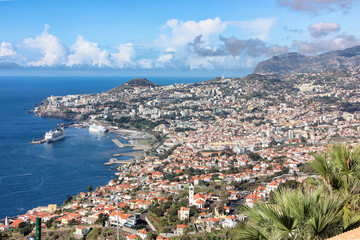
(172, 37)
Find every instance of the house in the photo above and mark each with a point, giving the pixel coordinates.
(203, 215)
(81, 231)
(132, 221)
(212, 223)
(271, 187)
(229, 222)
(250, 199)
(142, 233)
(122, 218)
(180, 229)
(184, 213)
(132, 237)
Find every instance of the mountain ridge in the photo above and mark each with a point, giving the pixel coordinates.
(294, 62)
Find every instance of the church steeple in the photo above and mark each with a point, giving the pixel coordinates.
(191, 194)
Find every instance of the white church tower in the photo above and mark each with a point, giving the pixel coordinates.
(191, 194)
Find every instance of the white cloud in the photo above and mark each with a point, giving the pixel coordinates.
(218, 62)
(184, 32)
(87, 53)
(322, 29)
(145, 63)
(50, 47)
(6, 50)
(258, 28)
(123, 58)
(340, 42)
(163, 60)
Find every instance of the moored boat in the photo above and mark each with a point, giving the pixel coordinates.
(97, 128)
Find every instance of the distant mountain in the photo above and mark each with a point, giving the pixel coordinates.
(297, 63)
(136, 82)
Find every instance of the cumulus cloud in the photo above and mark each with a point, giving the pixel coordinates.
(51, 49)
(251, 47)
(87, 53)
(340, 42)
(315, 6)
(258, 28)
(184, 32)
(9, 57)
(235, 47)
(164, 60)
(218, 62)
(145, 63)
(6, 50)
(322, 29)
(123, 58)
(197, 47)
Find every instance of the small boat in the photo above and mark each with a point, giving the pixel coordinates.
(97, 128)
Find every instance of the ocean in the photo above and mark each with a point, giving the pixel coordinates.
(38, 175)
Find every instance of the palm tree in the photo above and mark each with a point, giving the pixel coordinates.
(339, 168)
(296, 214)
(321, 208)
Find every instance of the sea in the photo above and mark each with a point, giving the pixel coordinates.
(38, 175)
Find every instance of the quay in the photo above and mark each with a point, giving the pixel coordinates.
(117, 161)
(120, 145)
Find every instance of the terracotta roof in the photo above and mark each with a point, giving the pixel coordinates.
(132, 236)
(182, 226)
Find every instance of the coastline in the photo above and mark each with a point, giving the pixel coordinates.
(136, 153)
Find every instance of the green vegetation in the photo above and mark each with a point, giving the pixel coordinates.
(89, 188)
(318, 209)
(25, 228)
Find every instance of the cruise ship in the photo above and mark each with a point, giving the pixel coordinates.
(97, 128)
(53, 136)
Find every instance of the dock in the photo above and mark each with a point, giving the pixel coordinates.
(117, 161)
(120, 145)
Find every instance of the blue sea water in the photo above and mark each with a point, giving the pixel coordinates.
(38, 175)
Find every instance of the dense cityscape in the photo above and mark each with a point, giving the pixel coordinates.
(214, 147)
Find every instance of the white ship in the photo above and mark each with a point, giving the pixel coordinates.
(53, 136)
(97, 128)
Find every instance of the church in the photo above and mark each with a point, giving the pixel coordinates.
(198, 200)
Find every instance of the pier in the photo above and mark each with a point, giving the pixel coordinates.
(117, 161)
(120, 145)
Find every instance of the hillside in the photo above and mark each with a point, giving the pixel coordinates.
(136, 82)
(297, 63)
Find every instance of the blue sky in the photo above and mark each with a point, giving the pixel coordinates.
(115, 37)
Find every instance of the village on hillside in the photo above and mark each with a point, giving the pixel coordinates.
(220, 145)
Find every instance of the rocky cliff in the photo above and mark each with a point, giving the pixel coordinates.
(297, 63)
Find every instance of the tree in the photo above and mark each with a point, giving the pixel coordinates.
(319, 209)
(101, 219)
(339, 170)
(296, 214)
(4, 235)
(293, 184)
(89, 188)
(49, 223)
(151, 236)
(25, 228)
